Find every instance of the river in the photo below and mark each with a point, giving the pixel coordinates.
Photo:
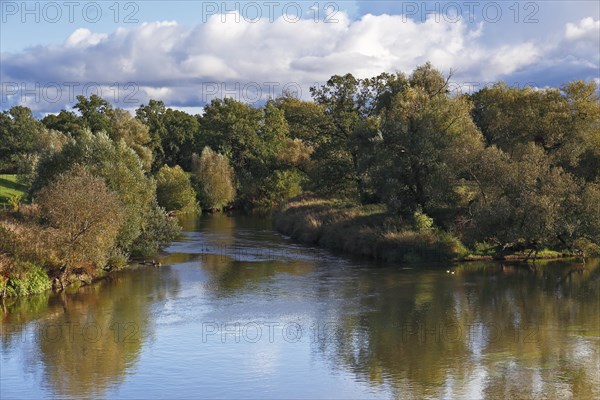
(238, 311)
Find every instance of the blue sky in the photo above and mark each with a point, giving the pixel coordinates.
(187, 52)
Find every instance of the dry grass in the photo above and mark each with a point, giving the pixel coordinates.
(362, 230)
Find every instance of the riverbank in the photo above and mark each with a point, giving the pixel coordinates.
(32, 262)
(371, 232)
(363, 230)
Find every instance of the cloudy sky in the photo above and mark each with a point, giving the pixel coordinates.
(187, 52)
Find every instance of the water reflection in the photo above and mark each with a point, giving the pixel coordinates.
(367, 331)
(85, 341)
(486, 331)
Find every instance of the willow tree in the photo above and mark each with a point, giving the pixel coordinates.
(214, 179)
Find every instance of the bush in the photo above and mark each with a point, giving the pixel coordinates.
(422, 222)
(281, 185)
(25, 279)
(174, 190)
(157, 233)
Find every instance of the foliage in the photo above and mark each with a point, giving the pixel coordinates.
(174, 190)
(158, 231)
(84, 216)
(14, 201)
(515, 168)
(173, 134)
(120, 168)
(26, 279)
(133, 133)
(214, 179)
(95, 113)
(23, 139)
(363, 230)
(422, 222)
(428, 138)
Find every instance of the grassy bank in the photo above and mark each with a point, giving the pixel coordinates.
(9, 189)
(363, 230)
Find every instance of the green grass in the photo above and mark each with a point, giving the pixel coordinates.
(10, 187)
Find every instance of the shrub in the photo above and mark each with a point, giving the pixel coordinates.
(158, 232)
(15, 202)
(422, 222)
(25, 279)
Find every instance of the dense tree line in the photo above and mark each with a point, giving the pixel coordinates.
(507, 168)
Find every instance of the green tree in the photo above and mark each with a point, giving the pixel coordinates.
(66, 122)
(214, 179)
(18, 135)
(173, 134)
(152, 115)
(306, 120)
(337, 161)
(428, 141)
(95, 113)
(178, 142)
(157, 232)
(120, 168)
(526, 202)
(134, 133)
(174, 190)
(564, 122)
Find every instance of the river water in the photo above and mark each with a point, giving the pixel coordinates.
(238, 311)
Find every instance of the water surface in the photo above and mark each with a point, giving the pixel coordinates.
(237, 311)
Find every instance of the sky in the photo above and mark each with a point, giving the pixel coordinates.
(189, 52)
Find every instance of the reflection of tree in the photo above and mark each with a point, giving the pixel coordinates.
(519, 330)
(227, 240)
(87, 340)
(229, 277)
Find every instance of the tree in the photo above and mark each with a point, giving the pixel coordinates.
(85, 218)
(336, 160)
(564, 122)
(120, 168)
(428, 141)
(231, 128)
(157, 232)
(173, 134)
(95, 113)
(306, 120)
(18, 135)
(66, 122)
(254, 140)
(174, 190)
(23, 140)
(214, 178)
(134, 133)
(152, 115)
(526, 202)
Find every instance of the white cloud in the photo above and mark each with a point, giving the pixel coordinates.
(84, 38)
(587, 29)
(175, 63)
